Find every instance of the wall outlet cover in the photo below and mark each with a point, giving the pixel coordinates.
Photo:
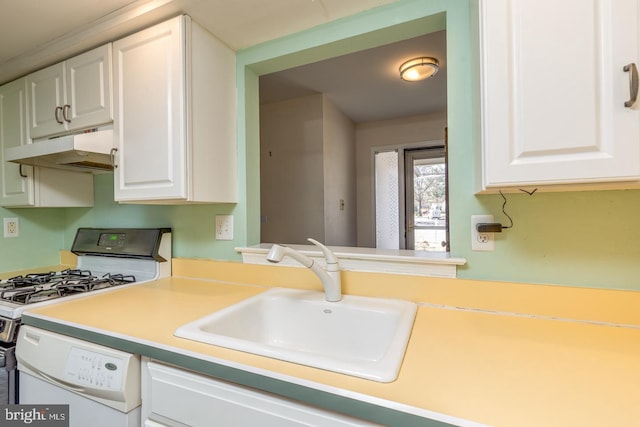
(224, 227)
(481, 241)
(11, 227)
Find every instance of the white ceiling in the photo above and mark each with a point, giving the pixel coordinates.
(366, 85)
(37, 33)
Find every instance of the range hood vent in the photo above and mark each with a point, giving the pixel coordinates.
(89, 151)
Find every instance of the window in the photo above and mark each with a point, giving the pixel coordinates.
(426, 199)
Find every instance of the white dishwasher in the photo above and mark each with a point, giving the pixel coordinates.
(101, 385)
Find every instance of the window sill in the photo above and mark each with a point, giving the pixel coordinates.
(417, 263)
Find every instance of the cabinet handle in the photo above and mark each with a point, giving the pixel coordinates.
(633, 84)
(65, 112)
(112, 154)
(58, 110)
(22, 174)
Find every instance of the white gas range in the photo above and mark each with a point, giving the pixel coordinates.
(108, 258)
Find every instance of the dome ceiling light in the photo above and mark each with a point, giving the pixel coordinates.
(417, 69)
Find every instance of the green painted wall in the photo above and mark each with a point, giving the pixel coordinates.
(40, 237)
(193, 225)
(574, 238)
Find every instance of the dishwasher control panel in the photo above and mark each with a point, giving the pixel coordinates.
(106, 375)
(91, 368)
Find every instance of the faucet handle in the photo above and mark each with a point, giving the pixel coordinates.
(329, 256)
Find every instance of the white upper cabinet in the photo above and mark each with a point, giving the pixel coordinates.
(17, 188)
(174, 116)
(26, 186)
(71, 95)
(554, 87)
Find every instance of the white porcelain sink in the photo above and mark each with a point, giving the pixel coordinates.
(360, 336)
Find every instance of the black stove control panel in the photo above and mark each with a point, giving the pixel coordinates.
(120, 242)
(112, 239)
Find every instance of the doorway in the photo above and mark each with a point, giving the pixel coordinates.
(426, 207)
(411, 197)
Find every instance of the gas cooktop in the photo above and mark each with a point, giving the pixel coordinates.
(36, 287)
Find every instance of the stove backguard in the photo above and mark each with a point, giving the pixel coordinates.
(137, 243)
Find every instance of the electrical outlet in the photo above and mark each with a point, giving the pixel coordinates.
(224, 227)
(11, 227)
(481, 241)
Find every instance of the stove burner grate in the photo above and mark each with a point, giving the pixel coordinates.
(37, 287)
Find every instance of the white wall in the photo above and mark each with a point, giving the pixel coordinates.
(307, 157)
(291, 175)
(386, 133)
(339, 177)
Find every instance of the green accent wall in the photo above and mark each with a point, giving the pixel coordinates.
(40, 237)
(585, 238)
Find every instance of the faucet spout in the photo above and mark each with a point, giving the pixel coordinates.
(330, 278)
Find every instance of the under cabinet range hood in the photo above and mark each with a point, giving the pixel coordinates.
(89, 151)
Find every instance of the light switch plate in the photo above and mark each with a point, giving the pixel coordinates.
(224, 227)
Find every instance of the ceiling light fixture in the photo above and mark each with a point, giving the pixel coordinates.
(417, 69)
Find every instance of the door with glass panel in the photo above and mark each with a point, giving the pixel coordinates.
(426, 207)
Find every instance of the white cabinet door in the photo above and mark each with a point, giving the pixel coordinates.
(174, 116)
(71, 95)
(45, 91)
(17, 182)
(177, 397)
(88, 89)
(553, 91)
(149, 116)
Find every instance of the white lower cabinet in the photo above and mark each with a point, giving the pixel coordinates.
(175, 397)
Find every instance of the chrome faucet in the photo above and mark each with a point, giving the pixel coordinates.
(330, 278)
